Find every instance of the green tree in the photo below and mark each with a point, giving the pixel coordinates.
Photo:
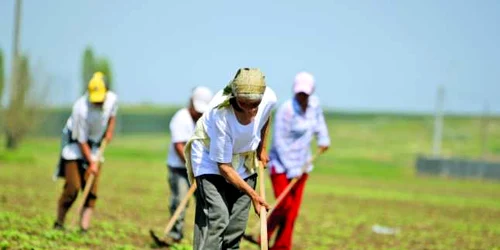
(91, 64)
(24, 100)
(24, 81)
(88, 67)
(104, 66)
(19, 115)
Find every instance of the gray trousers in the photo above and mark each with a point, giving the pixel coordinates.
(221, 213)
(179, 186)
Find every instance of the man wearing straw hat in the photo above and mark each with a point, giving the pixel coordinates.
(222, 157)
(92, 120)
(297, 121)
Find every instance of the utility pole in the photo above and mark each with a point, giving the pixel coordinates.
(438, 123)
(484, 130)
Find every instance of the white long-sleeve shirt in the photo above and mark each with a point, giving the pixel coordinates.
(293, 133)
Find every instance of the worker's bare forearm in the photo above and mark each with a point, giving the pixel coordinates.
(228, 172)
(179, 150)
(110, 129)
(86, 151)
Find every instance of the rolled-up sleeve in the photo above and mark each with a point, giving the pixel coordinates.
(282, 128)
(321, 129)
(114, 109)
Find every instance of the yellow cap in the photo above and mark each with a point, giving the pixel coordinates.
(97, 88)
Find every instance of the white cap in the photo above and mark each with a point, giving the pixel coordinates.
(201, 97)
(304, 82)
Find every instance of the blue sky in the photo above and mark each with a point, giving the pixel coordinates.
(366, 55)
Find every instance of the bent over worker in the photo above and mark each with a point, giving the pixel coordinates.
(222, 157)
(92, 120)
(181, 129)
(297, 122)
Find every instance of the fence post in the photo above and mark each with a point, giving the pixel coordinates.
(438, 122)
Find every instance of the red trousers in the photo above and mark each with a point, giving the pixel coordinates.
(283, 217)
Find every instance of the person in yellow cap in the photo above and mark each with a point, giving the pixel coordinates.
(222, 157)
(92, 120)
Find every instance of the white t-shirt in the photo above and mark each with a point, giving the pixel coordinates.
(88, 123)
(181, 130)
(228, 136)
